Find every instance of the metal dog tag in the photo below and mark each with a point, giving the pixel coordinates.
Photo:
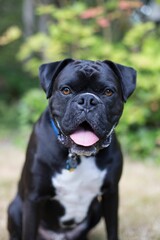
(72, 162)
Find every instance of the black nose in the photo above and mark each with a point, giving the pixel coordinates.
(87, 101)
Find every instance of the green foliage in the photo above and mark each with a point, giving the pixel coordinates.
(141, 144)
(66, 38)
(8, 115)
(81, 33)
(143, 41)
(72, 32)
(13, 80)
(70, 35)
(12, 34)
(31, 106)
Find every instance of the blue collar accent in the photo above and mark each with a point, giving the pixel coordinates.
(72, 161)
(55, 129)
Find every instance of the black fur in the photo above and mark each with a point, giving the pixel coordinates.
(34, 206)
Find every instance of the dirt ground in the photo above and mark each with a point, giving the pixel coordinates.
(139, 196)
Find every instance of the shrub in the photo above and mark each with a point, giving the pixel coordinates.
(31, 106)
(88, 39)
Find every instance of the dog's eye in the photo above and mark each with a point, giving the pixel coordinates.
(66, 91)
(108, 92)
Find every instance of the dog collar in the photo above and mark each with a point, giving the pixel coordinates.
(55, 129)
(72, 161)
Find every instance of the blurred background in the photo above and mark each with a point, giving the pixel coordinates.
(128, 32)
(33, 32)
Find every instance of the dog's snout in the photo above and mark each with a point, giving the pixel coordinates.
(87, 100)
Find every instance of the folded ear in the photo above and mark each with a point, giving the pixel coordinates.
(48, 73)
(126, 76)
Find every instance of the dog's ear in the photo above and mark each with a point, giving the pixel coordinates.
(48, 73)
(127, 77)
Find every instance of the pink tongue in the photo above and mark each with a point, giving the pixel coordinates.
(84, 137)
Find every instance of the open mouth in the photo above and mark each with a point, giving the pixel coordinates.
(84, 135)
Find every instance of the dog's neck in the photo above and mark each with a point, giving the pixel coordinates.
(73, 159)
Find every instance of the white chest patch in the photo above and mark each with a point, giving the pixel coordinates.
(75, 190)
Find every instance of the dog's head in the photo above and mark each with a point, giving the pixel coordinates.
(86, 100)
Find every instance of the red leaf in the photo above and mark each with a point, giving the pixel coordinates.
(92, 12)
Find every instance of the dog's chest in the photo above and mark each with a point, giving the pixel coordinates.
(76, 190)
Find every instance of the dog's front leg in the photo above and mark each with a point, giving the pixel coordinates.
(30, 220)
(110, 213)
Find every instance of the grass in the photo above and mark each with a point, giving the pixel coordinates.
(139, 196)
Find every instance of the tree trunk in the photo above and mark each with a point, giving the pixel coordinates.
(28, 17)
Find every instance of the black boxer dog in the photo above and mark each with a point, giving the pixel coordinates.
(73, 161)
